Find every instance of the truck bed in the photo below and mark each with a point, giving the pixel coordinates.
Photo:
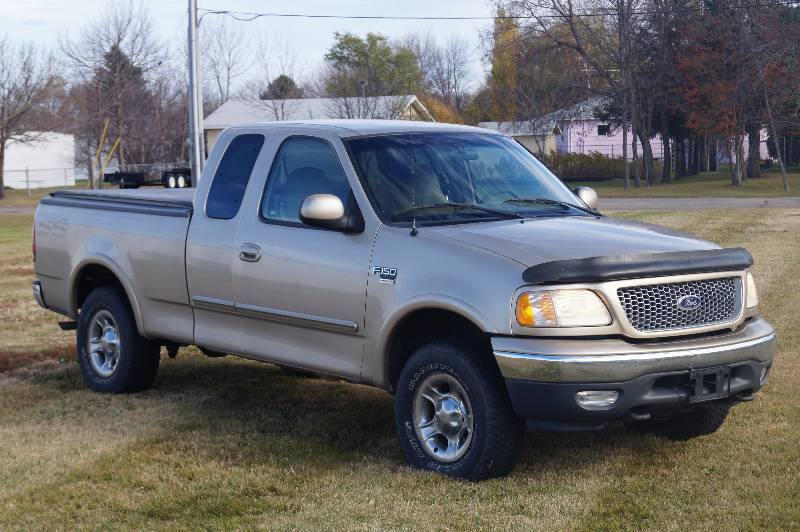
(162, 202)
(139, 236)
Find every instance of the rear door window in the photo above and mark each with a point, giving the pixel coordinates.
(232, 175)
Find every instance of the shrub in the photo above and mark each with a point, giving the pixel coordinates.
(592, 166)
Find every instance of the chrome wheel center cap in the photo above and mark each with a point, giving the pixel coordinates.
(109, 341)
(449, 416)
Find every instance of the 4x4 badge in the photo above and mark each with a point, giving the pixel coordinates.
(386, 274)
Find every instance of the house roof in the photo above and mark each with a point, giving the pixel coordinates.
(235, 112)
(545, 125)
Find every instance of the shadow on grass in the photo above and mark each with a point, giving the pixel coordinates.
(270, 417)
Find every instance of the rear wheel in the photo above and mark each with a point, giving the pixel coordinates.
(113, 357)
(453, 414)
(181, 181)
(687, 425)
(171, 181)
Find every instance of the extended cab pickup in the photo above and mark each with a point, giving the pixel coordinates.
(442, 263)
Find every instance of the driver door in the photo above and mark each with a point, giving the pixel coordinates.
(302, 289)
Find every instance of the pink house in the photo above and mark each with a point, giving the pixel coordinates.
(577, 130)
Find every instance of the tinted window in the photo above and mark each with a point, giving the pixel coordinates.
(232, 175)
(302, 167)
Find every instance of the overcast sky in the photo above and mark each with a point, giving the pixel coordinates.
(44, 21)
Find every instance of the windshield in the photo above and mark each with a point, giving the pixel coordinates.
(449, 177)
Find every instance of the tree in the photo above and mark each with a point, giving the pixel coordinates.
(444, 70)
(115, 61)
(224, 55)
(282, 88)
(369, 67)
(27, 78)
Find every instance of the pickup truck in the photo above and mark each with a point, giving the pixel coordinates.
(442, 263)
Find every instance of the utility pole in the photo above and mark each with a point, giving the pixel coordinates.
(196, 137)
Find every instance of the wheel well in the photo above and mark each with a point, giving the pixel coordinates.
(424, 326)
(91, 277)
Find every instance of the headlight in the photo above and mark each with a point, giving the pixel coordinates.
(561, 308)
(752, 293)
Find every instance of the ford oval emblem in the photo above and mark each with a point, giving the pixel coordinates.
(690, 302)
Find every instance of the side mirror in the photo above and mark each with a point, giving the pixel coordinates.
(588, 196)
(327, 211)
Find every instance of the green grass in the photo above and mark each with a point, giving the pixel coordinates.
(232, 444)
(707, 184)
(15, 197)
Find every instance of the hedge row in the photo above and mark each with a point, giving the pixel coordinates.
(592, 166)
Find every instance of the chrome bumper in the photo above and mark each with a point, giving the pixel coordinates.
(36, 286)
(613, 360)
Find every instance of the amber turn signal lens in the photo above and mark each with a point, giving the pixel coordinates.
(536, 309)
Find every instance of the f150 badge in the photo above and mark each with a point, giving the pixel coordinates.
(386, 274)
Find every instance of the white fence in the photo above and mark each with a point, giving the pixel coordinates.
(30, 178)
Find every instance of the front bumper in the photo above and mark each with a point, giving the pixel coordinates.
(543, 374)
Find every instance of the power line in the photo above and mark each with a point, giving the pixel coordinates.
(249, 16)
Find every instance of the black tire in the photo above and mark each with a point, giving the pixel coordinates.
(497, 433)
(687, 425)
(137, 362)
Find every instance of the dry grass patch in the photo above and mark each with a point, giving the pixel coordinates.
(708, 184)
(228, 443)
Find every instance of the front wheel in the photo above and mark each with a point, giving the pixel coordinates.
(113, 357)
(453, 414)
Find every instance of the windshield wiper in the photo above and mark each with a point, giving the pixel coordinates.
(455, 206)
(547, 201)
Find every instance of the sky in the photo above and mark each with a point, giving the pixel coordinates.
(45, 21)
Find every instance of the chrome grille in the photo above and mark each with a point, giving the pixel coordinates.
(655, 307)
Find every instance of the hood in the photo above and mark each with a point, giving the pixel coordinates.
(540, 240)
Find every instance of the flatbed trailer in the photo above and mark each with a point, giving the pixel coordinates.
(168, 175)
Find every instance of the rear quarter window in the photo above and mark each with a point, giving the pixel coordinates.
(232, 175)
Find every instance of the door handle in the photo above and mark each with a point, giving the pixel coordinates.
(250, 253)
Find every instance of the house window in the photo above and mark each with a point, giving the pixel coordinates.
(603, 130)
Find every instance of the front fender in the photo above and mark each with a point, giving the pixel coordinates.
(429, 301)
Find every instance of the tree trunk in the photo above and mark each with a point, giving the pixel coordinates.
(666, 155)
(647, 156)
(753, 151)
(666, 171)
(2, 168)
(626, 170)
(680, 156)
(704, 154)
(774, 133)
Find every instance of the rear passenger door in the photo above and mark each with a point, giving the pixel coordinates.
(303, 295)
(211, 249)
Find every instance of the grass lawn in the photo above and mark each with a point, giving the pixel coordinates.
(227, 443)
(15, 197)
(708, 184)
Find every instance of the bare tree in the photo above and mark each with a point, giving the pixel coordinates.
(224, 55)
(444, 68)
(113, 57)
(26, 80)
(273, 60)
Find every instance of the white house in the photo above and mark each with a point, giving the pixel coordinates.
(233, 112)
(46, 162)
